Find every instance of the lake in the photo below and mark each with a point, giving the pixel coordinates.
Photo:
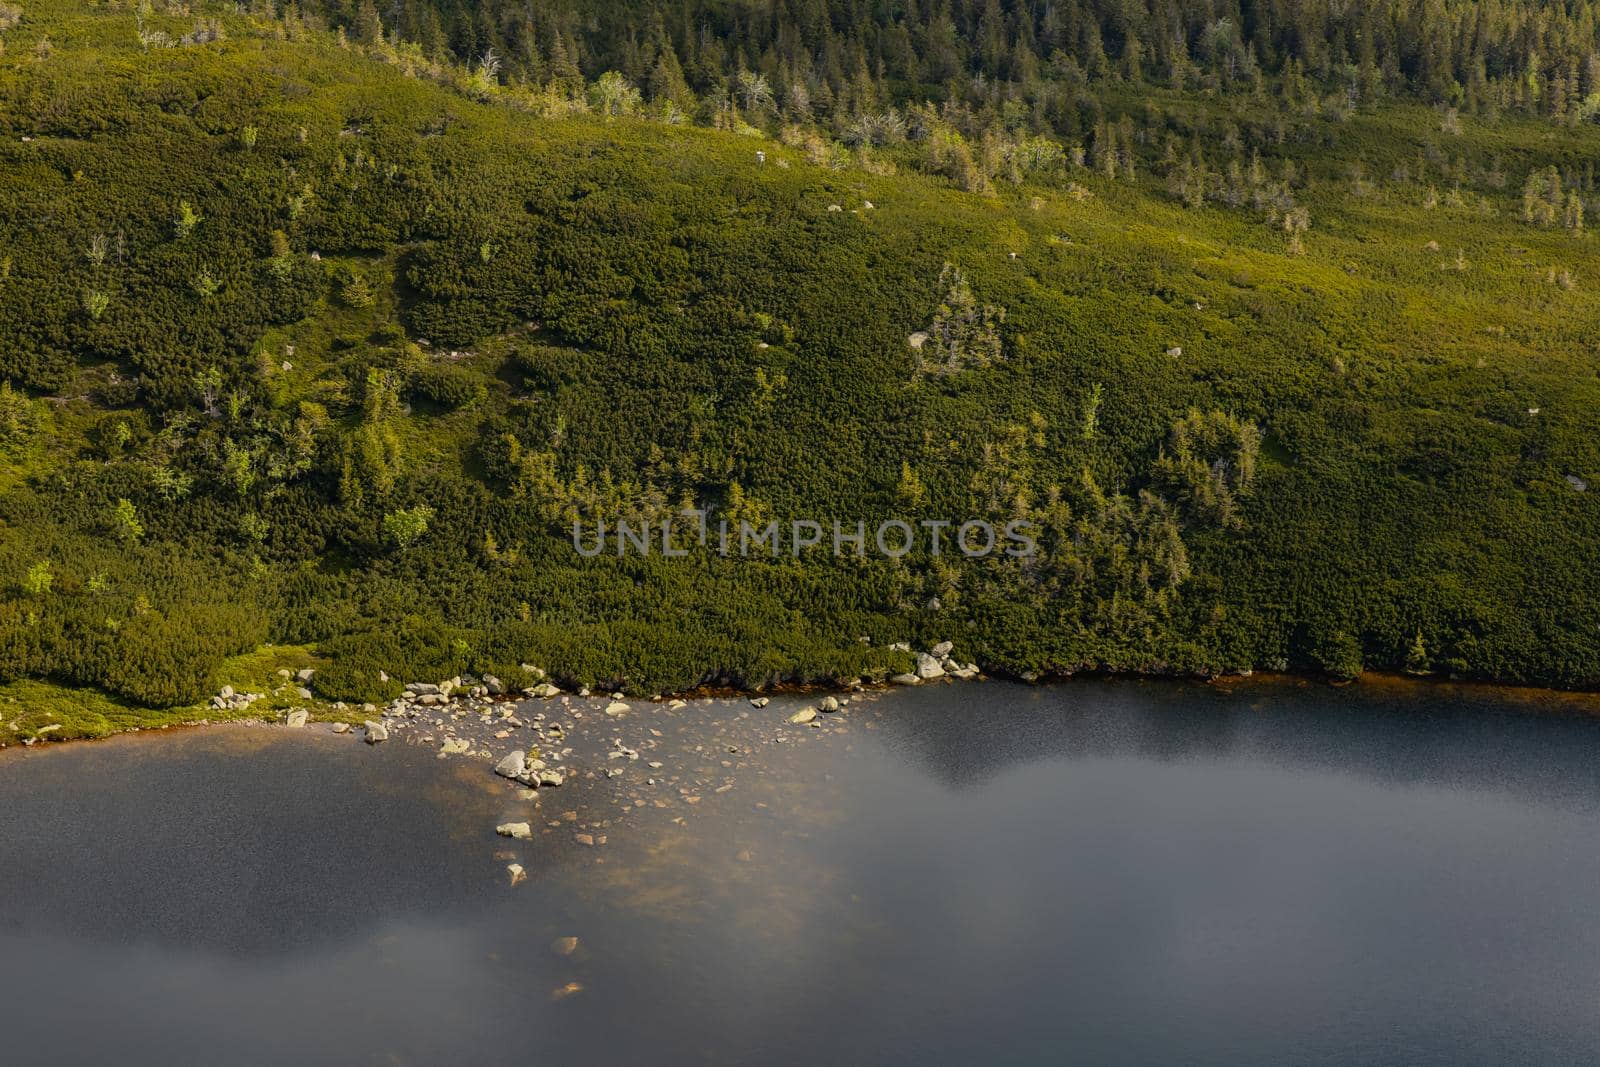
(1106, 872)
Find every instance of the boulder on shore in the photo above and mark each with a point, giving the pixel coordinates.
(513, 766)
(297, 718)
(905, 679)
(928, 667)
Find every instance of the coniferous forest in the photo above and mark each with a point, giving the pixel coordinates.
(321, 325)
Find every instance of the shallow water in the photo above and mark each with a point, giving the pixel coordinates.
(1101, 872)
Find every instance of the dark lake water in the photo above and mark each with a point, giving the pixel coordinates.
(1097, 872)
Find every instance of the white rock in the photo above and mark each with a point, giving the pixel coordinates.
(803, 716)
(616, 707)
(828, 704)
(928, 667)
(518, 875)
(519, 830)
(297, 718)
(760, 702)
(905, 679)
(376, 732)
(513, 766)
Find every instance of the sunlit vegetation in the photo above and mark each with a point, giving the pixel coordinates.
(321, 332)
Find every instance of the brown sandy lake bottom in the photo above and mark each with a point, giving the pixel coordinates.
(1105, 872)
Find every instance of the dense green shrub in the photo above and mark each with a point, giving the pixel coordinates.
(1235, 456)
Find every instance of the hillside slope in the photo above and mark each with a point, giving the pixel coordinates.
(322, 347)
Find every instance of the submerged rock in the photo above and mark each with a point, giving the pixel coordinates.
(518, 875)
(564, 946)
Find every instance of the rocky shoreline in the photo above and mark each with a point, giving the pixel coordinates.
(623, 754)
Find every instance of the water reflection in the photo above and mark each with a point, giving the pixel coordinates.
(1458, 736)
(1119, 872)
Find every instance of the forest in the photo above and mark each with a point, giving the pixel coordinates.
(321, 325)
